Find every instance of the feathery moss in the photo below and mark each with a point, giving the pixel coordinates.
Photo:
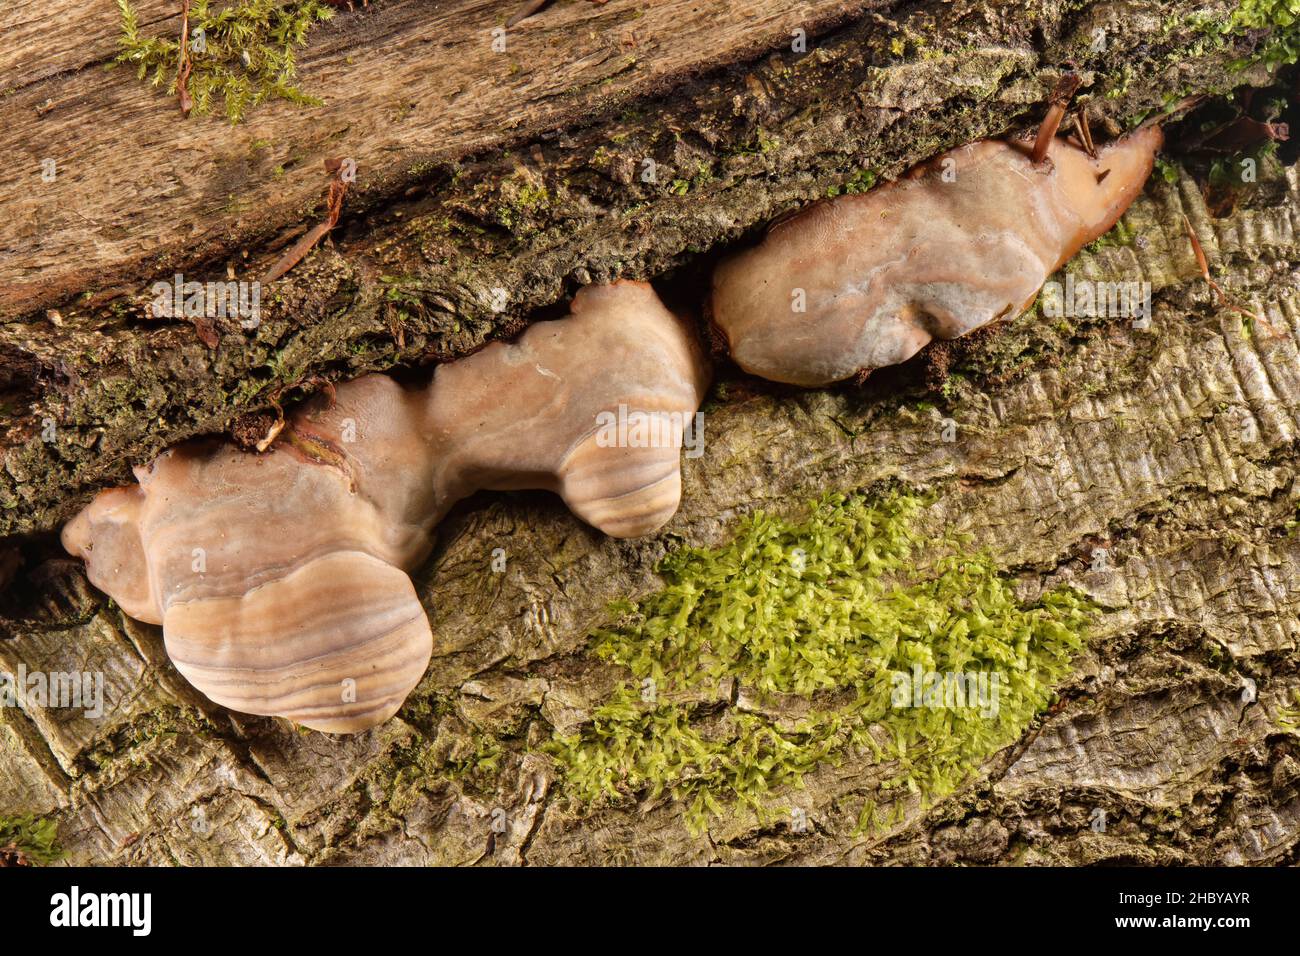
(824, 615)
(245, 55)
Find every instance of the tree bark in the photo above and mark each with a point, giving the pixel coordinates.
(1172, 447)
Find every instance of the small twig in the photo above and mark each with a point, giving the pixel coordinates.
(1242, 134)
(185, 67)
(1085, 133)
(271, 433)
(1204, 265)
(532, 6)
(317, 381)
(278, 426)
(294, 254)
(1061, 96)
(1182, 106)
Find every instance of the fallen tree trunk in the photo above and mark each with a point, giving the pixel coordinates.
(1172, 449)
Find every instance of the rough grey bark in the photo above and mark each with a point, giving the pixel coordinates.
(1174, 447)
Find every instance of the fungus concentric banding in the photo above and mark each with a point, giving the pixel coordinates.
(618, 349)
(335, 645)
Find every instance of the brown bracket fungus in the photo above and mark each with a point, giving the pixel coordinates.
(864, 281)
(593, 407)
(280, 580)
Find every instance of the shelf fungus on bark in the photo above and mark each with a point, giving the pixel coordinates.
(594, 407)
(280, 580)
(864, 281)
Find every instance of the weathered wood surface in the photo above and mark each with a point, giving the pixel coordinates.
(1176, 445)
(417, 83)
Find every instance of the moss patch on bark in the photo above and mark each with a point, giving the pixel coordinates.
(846, 631)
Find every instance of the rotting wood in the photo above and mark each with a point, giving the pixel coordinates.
(1174, 445)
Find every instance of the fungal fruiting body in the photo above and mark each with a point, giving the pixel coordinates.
(280, 580)
(865, 281)
(546, 410)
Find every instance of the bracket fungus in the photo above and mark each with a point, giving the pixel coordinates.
(867, 280)
(594, 407)
(280, 580)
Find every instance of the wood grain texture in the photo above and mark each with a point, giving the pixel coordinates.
(408, 82)
(1178, 445)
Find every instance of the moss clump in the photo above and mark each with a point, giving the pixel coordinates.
(1122, 234)
(1281, 20)
(521, 198)
(245, 56)
(29, 839)
(826, 614)
(860, 182)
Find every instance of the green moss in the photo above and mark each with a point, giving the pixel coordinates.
(34, 838)
(702, 177)
(763, 143)
(1281, 18)
(455, 751)
(860, 182)
(1121, 235)
(247, 54)
(483, 760)
(951, 387)
(520, 198)
(820, 615)
(1119, 86)
(531, 196)
(1225, 171)
(1288, 718)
